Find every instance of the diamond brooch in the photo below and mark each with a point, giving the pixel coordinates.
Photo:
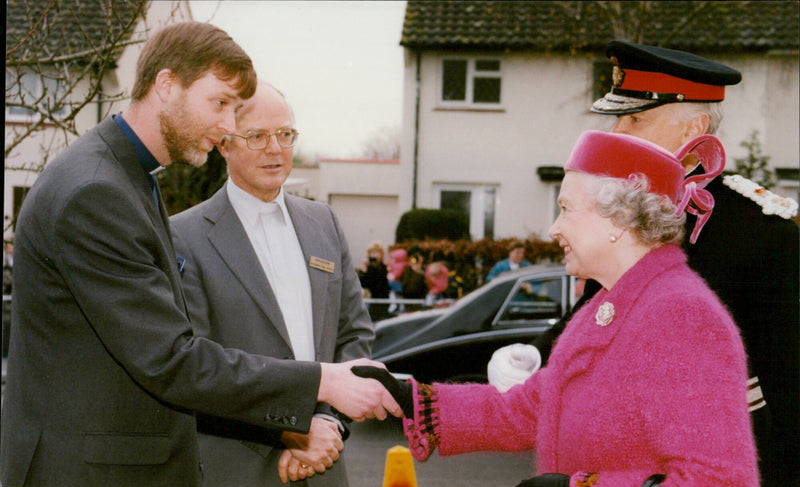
(605, 314)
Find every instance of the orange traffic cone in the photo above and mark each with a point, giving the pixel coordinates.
(399, 470)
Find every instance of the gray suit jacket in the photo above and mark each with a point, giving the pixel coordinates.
(104, 372)
(231, 301)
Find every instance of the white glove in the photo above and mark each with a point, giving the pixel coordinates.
(512, 365)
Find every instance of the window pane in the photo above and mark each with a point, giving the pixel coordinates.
(19, 195)
(536, 299)
(54, 95)
(556, 208)
(487, 90)
(24, 89)
(454, 80)
(456, 200)
(488, 213)
(490, 65)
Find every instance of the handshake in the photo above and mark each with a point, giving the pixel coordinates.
(362, 399)
(347, 388)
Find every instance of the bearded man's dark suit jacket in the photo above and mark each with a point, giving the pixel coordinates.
(231, 301)
(104, 372)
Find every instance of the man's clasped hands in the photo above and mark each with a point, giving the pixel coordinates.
(348, 388)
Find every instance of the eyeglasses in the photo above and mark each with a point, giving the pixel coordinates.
(286, 138)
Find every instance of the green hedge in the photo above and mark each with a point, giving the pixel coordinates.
(427, 223)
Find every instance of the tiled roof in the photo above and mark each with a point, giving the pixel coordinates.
(559, 26)
(39, 29)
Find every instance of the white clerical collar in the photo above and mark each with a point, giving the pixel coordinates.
(248, 206)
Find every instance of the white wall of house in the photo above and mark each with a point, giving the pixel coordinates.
(364, 196)
(767, 100)
(543, 109)
(545, 101)
(304, 182)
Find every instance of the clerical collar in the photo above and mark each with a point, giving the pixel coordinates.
(146, 159)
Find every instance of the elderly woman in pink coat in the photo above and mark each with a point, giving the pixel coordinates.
(647, 384)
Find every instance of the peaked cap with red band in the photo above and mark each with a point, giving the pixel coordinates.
(624, 156)
(648, 76)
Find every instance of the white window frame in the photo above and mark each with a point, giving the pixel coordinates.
(556, 210)
(472, 73)
(478, 202)
(34, 94)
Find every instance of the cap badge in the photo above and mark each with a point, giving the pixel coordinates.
(618, 76)
(605, 314)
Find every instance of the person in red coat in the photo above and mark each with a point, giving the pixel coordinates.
(646, 386)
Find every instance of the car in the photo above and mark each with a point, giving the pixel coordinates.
(455, 343)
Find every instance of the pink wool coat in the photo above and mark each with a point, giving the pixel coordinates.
(659, 389)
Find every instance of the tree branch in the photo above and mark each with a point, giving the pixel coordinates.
(32, 30)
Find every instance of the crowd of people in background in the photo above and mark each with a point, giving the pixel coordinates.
(405, 279)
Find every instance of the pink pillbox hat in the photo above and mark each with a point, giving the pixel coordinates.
(626, 157)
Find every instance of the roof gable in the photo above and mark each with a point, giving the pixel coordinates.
(567, 26)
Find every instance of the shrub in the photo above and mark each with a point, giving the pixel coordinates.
(183, 186)
(427, 223)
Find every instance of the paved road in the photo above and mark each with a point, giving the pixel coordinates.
(366, 457)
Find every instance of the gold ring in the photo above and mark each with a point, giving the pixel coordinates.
(303, 465)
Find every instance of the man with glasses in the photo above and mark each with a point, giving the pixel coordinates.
(270, 273)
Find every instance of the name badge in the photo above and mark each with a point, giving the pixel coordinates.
(322, 264)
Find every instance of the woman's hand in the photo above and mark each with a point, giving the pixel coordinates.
(400, 391)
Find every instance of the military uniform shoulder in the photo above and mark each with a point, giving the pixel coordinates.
(770, 203)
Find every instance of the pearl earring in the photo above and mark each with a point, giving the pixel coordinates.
(612, 238)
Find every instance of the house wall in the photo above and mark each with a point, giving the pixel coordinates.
(22, 165)
(363, 219)
(362, 192)
(304, 182)
(767, 101)
(364, 196)
(545, 105)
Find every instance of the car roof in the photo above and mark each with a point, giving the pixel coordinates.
(524, 271)
(498, 280)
